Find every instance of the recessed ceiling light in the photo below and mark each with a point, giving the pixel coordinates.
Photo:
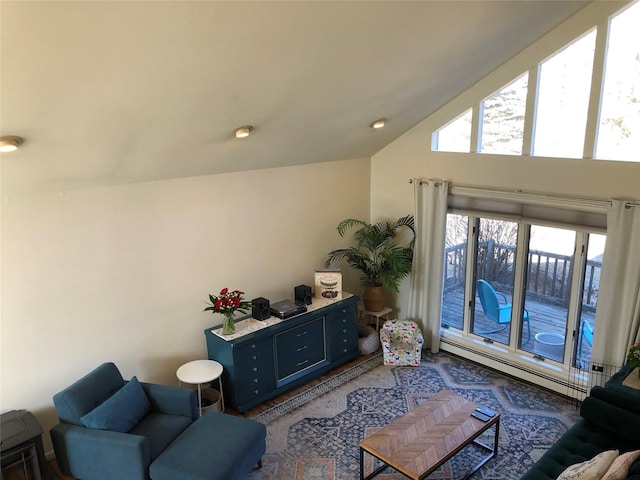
(10, 143)
(243, 132)
(378, 123)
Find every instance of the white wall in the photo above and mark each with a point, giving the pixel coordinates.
(122, 273)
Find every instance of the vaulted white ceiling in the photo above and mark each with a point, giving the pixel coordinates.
(118, 92)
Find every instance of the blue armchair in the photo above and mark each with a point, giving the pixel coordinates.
(112, 429)
(85, 452)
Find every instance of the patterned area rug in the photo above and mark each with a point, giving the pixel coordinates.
(315, 435)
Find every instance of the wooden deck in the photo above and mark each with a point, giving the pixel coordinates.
(543, 317)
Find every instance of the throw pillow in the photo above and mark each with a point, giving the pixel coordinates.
(619, 469)
(592, 469)
(121, 411)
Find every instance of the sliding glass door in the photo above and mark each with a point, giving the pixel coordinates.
(590, 285)
(530, 288)
(494, 269)
(455, 271)
(547, 292)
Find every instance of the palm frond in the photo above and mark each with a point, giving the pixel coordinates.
(375, 253)
(345, 225)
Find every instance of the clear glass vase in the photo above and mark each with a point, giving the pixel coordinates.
(228, 325)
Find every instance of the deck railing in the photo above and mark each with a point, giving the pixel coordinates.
(548, 274)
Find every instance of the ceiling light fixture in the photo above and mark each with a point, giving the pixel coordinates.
(10, 143)
(243, 132)
(378, 123)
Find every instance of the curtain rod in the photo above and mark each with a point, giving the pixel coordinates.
(524, 192)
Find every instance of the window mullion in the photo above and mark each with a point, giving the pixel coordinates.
(577, 288)
(595, 96)
(528, 135)
(520, 275)
(475, 145)
(469, 289)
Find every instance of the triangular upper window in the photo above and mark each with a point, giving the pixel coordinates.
(565, 86)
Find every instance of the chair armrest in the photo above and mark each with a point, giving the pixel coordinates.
(172, 400)
(89, 453)
(384, 335)
(504, 297)
(620, 423)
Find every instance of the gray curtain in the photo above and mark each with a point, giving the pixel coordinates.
(425, 296)
(618, 312)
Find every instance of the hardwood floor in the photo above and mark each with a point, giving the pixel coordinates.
(17, 473)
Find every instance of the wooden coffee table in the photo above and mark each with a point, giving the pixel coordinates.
(420, 441)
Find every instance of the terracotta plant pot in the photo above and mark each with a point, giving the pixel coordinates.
(373, 299)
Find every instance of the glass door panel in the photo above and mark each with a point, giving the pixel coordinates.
(494, 274)
(590, 288)
(455, 271)
(547, 291)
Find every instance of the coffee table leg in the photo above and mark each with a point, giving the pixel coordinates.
(375, 472)
(493, 452)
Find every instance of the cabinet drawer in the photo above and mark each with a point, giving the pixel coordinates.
(345, 312)
(253, 387)
(343, 336)
(345, 344)
(249, 349)
(301, 335)
(254, 370)
(300, 348)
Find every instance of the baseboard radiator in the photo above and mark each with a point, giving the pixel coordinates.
(577, 384)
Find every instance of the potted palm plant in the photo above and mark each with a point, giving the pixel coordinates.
(377, 254)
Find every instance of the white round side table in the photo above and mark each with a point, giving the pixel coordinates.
(198, 372)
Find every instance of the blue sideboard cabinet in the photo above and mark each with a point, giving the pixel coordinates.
(266, 358)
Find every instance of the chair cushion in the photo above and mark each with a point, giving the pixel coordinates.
(87, 393)
(161, 429)
(120, 412)
(217, 446)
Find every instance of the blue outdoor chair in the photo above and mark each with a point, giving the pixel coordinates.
(586, 335)
(496, 311)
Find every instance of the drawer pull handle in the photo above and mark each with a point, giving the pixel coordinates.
(302, 334)
(299, 364)
(302, 348)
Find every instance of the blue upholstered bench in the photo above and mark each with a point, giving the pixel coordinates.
(235, 449)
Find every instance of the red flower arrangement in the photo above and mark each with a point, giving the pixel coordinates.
(227, 303)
